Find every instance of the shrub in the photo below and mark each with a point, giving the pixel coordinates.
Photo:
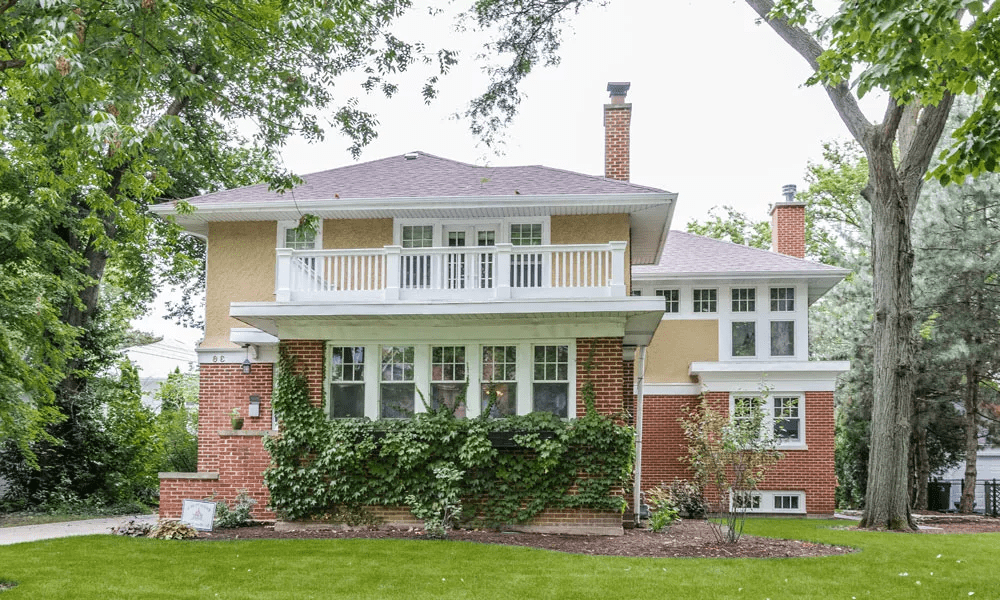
(442, 508)
(688, 498)
(173, 530)
(238, 516)
(662, 507)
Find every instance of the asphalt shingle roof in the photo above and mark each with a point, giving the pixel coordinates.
(686, 253)
(429, 176)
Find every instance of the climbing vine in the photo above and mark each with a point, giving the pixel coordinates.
(513, 468)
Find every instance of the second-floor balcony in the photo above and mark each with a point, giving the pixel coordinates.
(502, 272)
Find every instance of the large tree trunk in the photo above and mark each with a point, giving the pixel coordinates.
(971, 401)
(887, 502)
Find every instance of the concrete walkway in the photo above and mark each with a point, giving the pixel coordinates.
(33, 533)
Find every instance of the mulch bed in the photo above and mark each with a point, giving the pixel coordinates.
(683, 539)
(955, 523)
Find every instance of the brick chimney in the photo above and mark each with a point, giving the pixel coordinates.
(788, 225)
(617, 119)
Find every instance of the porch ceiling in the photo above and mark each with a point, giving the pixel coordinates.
(633, 318)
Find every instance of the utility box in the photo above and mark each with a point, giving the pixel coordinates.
(254, 410)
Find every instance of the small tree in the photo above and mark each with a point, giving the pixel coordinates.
(730, 457)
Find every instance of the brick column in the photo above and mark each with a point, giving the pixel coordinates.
(605, 373)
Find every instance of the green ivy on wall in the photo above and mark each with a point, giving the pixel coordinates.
(321, 467)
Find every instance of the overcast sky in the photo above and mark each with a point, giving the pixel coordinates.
(720, 112)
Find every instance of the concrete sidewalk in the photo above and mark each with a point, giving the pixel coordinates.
(33, 533)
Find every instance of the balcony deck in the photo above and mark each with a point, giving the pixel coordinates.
(501, 272)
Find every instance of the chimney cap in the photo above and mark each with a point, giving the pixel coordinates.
(788, 191)
(618, 88)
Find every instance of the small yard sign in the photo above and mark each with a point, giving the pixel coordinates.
(198, 514)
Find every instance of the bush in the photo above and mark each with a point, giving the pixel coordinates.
(173, 530)
(664, 511)
(442, 509)
(238, 516)
(688, 498)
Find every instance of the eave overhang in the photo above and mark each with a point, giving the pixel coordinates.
(819, 282)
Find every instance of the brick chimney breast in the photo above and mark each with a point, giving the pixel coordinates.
(788, 225)
(617, 122)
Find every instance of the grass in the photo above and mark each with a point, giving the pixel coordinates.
(889, 565)
(17, 519)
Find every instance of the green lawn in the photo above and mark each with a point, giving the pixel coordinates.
(889, 566)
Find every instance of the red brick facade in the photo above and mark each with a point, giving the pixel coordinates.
(810, 471)
(617, 122)
(606, 373)
(788, 229)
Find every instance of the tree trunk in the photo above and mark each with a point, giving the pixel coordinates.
(887, 502)
(922, 472)
(971, 401)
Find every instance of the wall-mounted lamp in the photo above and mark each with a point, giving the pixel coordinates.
(254, 409)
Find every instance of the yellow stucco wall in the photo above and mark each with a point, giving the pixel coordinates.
(676, 344)
(594, 229)
(357, 233)
(240, 269)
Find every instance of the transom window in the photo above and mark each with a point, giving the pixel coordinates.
(706, 301)
(671, 300)
(550, 387)
(744, 299)
(499, 387)
(347, 382)
(782, 299)
(397, 388)
(448, 378)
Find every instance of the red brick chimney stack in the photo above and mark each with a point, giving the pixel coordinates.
(788, 225)
(617, 120)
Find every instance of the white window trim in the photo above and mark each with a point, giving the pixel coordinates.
(422, 370)
(768, 423)
(502, 226)
(718, 295)
(680, 301)
(285, 225)
(767, 502)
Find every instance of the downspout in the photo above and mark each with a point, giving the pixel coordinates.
(640, 369)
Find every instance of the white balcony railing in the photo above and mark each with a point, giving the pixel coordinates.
(503, 271)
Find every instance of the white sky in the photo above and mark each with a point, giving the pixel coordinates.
(720, 114)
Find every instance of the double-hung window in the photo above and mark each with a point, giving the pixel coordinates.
(550, 381)
(525, 266)
(499, 381)
(706, 300)
(347, 382)
(744, 333)
(397, 389)
(448, 378)
(671, 300)
(779, 416)
(787, 419)
(782, 332)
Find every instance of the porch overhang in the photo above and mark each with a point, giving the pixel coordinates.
(756, 377)
(633, 318)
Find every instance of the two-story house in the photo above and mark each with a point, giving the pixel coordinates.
(427, 273)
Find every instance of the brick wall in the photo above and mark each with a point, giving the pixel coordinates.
(628, 383)
(617, 122)
(810, 471)
(606, 374)
(236, 461)
(788, 229)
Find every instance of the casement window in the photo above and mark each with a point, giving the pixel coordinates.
(347, 382)
(782, 338)
(550, 381)
(783, 299)
(744, 300)
(706, 300)
(781, 416)
(499, 381)
(525, 267)
(671, 300)
(744, 338)
(448, 378)
(787, 419)
(397, 389)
